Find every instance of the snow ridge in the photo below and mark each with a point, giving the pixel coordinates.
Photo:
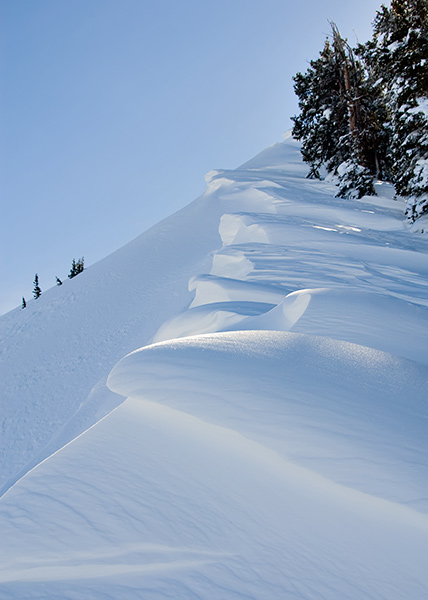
(268, 438)
(290, 244)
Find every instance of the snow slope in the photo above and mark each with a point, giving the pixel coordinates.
(56, 354)
(280, 454)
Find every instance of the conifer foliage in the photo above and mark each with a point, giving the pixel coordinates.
(37, 292)
(340, 119)
(322, 120)
(364, 111)
(76, 267)
(398, 54)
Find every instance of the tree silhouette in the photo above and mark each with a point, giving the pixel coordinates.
(37, 292)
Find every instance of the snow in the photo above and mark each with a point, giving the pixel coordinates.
(231, 406)
(57, 353)
(421, 107)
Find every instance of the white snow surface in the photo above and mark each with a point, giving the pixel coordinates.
(234, 405)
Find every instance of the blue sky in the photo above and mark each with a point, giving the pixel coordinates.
(112, 111)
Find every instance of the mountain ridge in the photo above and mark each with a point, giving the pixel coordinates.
(265, 426)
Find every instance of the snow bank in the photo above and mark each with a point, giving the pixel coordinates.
(299, 395)
(361, 317)
(282, 457)
(245, 464)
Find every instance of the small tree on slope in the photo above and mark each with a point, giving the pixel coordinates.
(37, 292)
(76, 267)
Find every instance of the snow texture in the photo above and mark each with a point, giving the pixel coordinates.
(231, 406)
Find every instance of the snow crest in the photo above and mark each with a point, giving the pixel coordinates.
(267, 440)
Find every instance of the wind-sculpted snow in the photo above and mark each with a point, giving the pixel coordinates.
(300, 396)
(376, 320)
(280, 455)
(244, 464)
(341, 269)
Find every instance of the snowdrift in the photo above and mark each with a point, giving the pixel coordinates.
(267, 439)
(301, 396)
(240, 464)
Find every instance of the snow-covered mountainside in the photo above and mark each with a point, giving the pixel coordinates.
(234, 405)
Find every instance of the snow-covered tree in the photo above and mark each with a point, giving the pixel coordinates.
(37, 292)
(354, 180)
(341, 119)
(321, 123)
(398, 54)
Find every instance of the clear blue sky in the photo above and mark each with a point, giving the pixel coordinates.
(112, 111)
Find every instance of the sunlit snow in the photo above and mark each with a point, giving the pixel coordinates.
(234, 405)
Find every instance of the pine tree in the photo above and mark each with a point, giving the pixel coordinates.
(399, 55)
(24, 304)
(354, 180)
(73, 270)
(341, 119)
(79, 265)
(321, 123)
(76, 267)
(375, 125)
(37, 292)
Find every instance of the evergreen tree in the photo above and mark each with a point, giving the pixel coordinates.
(79, 265)
(37, 292)
(354, 180)
(76, 267)
(73, 270)
(321, 123)
(24, 304)
(341, 119)
(58, 280)
(367, 117)
(398, 54)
